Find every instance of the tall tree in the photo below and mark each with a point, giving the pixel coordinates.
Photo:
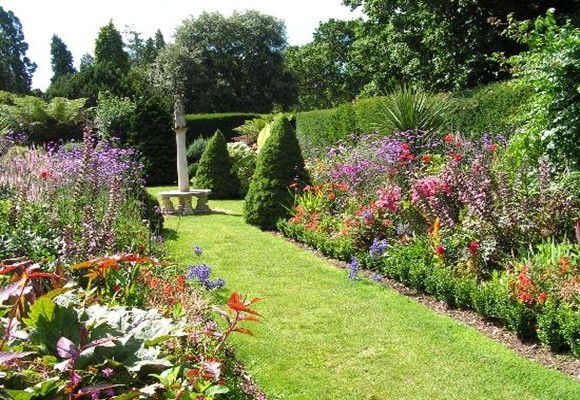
(109, 48)
(228, 64)
(61, 59)
(326, 73)
(16, 69)
(442, 44)
(111, 66)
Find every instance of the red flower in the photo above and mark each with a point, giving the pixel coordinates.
(473, 246)
(542, 298)
(405, 146)
(426, 158)
(525, 297)
(565, 263)
(457, 157)
(493, 147)
(449, 138)
(440, 250)
(45, 175)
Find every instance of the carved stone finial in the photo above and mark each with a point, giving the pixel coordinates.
(178, 113)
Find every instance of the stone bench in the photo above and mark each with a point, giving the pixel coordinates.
(184, 202)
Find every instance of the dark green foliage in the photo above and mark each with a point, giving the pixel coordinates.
(153, 136)
(225, 64)
(16, 69)
(492, 108)
(194, 153)
(214, 171)
(205, 125)
(150, 210)
(324, 68)
(551, 67)
(496, 107)
(279, 163)
(109, 48)
(61, 58)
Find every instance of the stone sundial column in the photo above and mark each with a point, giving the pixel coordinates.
(180, 129)
(182, 170)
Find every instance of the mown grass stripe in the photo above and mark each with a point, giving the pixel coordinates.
(325, 337)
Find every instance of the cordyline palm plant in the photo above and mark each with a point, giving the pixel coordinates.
(412, 109)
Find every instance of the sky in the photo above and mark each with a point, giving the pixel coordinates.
(77, 22)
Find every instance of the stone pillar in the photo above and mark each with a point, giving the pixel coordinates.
(182, 171)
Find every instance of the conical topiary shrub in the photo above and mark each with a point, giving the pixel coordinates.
(214, 170)
(279, 163)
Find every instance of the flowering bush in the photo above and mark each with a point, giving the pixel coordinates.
(74, 202)
(448, 216)
(62, 341)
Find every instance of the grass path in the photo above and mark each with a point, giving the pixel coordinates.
(325, 337)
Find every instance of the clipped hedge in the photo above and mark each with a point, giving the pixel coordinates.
(205, 125)
(555, 324)
(492, 108)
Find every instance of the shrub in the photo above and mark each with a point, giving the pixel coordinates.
(194, 153)
(243, 164)
(59, 119)
(113, 116)
(551, 67)
(412, 109)
(279, 163)
(153, 136)
(214, 170)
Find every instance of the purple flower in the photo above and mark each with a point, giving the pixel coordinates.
(377, 248)
(376, 277)
(200, 272)
(353, 266)
(108, 372)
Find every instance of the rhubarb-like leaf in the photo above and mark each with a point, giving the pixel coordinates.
(6, 357)
(67, 349)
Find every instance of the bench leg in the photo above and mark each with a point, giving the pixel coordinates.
(201, 207)
(167, 205)
(185, 205)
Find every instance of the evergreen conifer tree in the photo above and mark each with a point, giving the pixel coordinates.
(279, 163)
(214, 170)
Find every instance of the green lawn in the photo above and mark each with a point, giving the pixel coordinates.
(326, 337)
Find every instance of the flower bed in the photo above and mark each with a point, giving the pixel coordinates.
(458, 219)
(87, 310)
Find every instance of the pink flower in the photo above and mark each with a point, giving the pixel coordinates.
(390, 198)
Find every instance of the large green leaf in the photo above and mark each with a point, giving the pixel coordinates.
(49, 322)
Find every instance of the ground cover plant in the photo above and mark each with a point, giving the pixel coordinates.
(87, 310)
(325, 336)
(456, 218)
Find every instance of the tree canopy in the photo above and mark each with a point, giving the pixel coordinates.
(231, 63)
(61, 58)
(16, 69)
